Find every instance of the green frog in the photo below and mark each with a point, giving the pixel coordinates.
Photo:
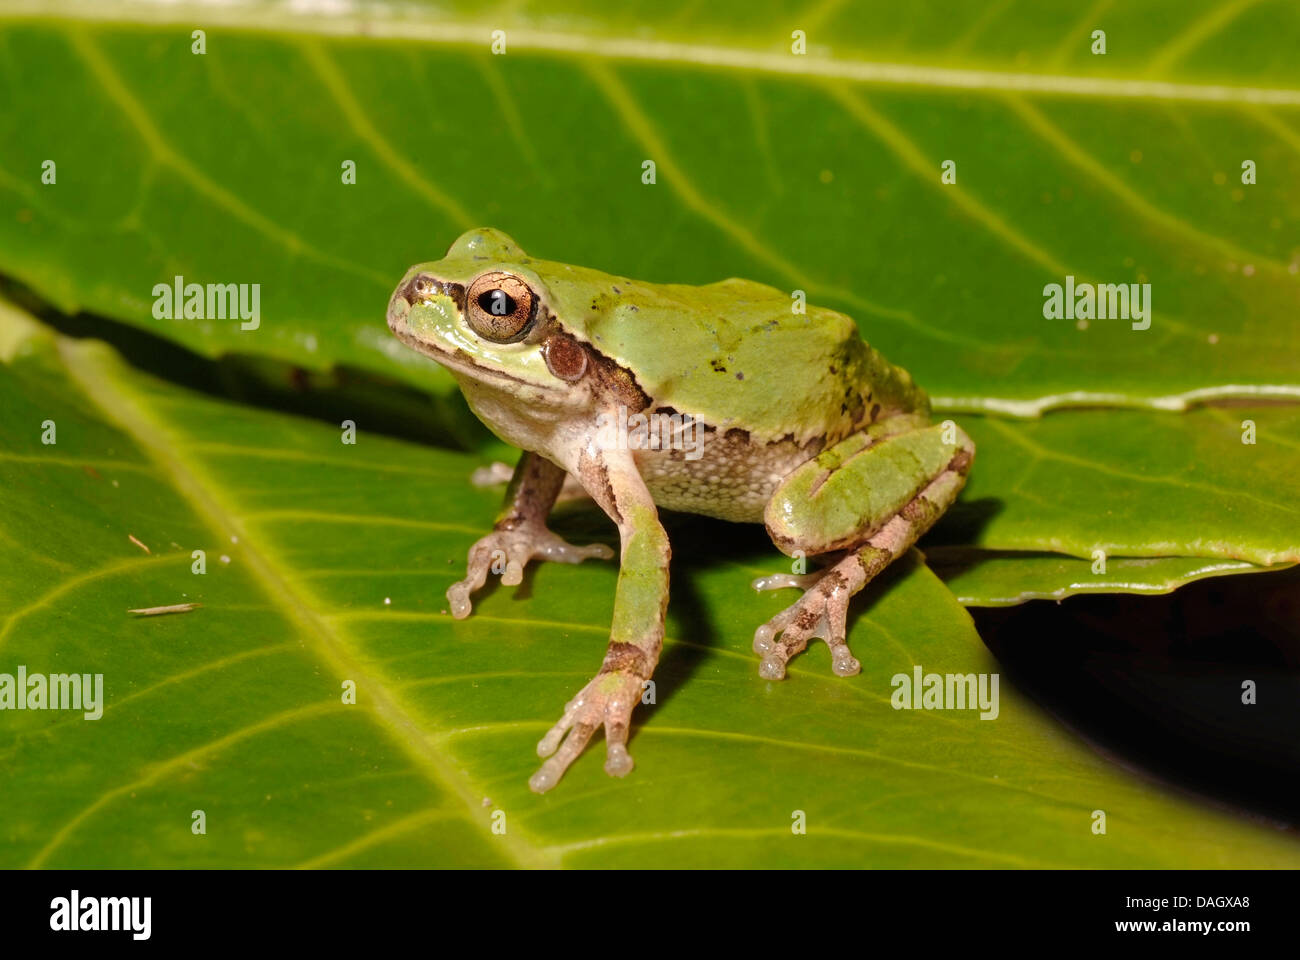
(731, 400)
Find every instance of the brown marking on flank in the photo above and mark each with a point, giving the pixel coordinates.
(814, 445)
(856, 407)
(612, 381)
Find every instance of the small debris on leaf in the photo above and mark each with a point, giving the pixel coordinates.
(158, 611)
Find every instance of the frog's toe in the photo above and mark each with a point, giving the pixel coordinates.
(779, 581)
(494, 474)
(507, 551)
(458, 597)
(818, 614)
(606, 701)
(548, 546)
(618, 762)
(548, 775)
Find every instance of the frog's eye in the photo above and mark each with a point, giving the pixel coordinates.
(500, 307)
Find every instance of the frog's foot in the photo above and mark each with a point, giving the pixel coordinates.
(606, 701)
(507, 550)
(820, 613)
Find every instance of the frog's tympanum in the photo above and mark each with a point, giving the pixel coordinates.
(729, 400)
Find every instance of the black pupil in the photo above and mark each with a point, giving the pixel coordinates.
(497, 302)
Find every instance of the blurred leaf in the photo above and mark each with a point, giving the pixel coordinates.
(326, 562)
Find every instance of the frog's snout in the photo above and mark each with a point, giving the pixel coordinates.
(399, 306)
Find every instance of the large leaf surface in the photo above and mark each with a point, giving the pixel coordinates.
(326, 562)
(1136, 483)
(819, 172)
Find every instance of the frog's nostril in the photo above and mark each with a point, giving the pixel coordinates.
(420, 287)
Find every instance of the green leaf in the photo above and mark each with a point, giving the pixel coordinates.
(987, 578)
(819, 172)
(1135, 483)
(326, 562)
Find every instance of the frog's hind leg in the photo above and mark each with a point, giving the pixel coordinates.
(922, 472)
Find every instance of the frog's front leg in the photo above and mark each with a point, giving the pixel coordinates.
(864, 501)
(637, 632)
(520, 533)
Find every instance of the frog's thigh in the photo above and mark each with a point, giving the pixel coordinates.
(851, 490)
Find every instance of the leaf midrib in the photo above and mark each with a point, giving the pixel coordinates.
(415, 26)
(122, 407)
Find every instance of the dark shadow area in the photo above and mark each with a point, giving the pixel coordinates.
(1157, 683)
(377, 404)
(964, 522)
(690, 623)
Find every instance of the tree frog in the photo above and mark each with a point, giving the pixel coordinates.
(793, 421)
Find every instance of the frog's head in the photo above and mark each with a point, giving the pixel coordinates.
(485, 313)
